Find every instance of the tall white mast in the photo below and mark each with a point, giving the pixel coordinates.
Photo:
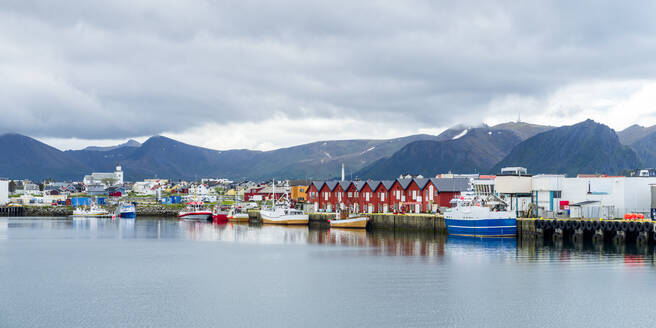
(274, 192)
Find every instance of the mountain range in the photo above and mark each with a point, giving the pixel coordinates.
(587, 147)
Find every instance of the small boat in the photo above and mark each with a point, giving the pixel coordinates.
(477, 216)
(195, 211)
(92, 211)
(343, 220)
(281, 212)
(237, 214)
(126, 211)
(219, 215)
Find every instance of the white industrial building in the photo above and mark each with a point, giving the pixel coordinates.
(580, 197)
(553, 195)
(547, 192)
(516, 190)
(608, 197)
(4, 191)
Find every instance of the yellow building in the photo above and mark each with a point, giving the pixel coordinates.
(299, 190)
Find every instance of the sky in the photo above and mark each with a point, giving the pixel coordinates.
(270, 74)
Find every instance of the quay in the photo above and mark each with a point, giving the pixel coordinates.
(640, 232)
(12, 211)
(542, 229)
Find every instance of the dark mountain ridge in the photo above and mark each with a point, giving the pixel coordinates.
(586, 147)
(474, 152)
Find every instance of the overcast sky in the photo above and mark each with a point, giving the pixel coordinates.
(262, 75)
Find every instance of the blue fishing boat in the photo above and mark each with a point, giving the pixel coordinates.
(127, 211)
(476, 216)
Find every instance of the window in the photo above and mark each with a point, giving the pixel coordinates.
(301, 190)
(350, 194)
(557, 194)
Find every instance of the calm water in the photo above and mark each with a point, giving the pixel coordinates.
(166, 273)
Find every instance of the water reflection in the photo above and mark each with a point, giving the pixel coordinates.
(383, 243)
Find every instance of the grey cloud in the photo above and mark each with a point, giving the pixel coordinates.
(115, 69)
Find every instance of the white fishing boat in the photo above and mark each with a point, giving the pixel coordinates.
(281, 212)
(344, 220)
(92, 210)
(195, 211)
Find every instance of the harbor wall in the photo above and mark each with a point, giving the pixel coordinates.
(156, 210)
(380, 221)
(640, 232)
(47, 211)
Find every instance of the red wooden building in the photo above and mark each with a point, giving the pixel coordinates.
(313, 194)
(400, 195)
(448, 188)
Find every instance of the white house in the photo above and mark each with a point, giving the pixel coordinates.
(29, 189)
(4, 191)
(116, 178)
(144, 187)
(200, 190)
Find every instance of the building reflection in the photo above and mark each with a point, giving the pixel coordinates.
(377, 243)
(390, 243)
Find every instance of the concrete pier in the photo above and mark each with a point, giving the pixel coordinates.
(578, 230)
(380, 221)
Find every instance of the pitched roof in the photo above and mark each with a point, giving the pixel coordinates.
(373, 184)
(317, 184)
(345, 184)
(451, 184)
(331, 185)
(421, 182)
(387, 183)
(404, 183)
(359, 185)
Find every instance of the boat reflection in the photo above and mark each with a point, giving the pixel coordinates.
(378, 242)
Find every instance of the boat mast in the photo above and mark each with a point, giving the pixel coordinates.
(274, 193)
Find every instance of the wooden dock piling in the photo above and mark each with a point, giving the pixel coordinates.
(12, 211)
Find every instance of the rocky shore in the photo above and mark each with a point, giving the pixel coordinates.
(63, 211)
(48, 211)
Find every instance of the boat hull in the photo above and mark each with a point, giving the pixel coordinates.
(220, 218)
(354, 223)
(482, 227)
(128, 215)
(196, 216)
(286, 220)
(238, 218)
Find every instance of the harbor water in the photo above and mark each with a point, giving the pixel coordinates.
(152, 272)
